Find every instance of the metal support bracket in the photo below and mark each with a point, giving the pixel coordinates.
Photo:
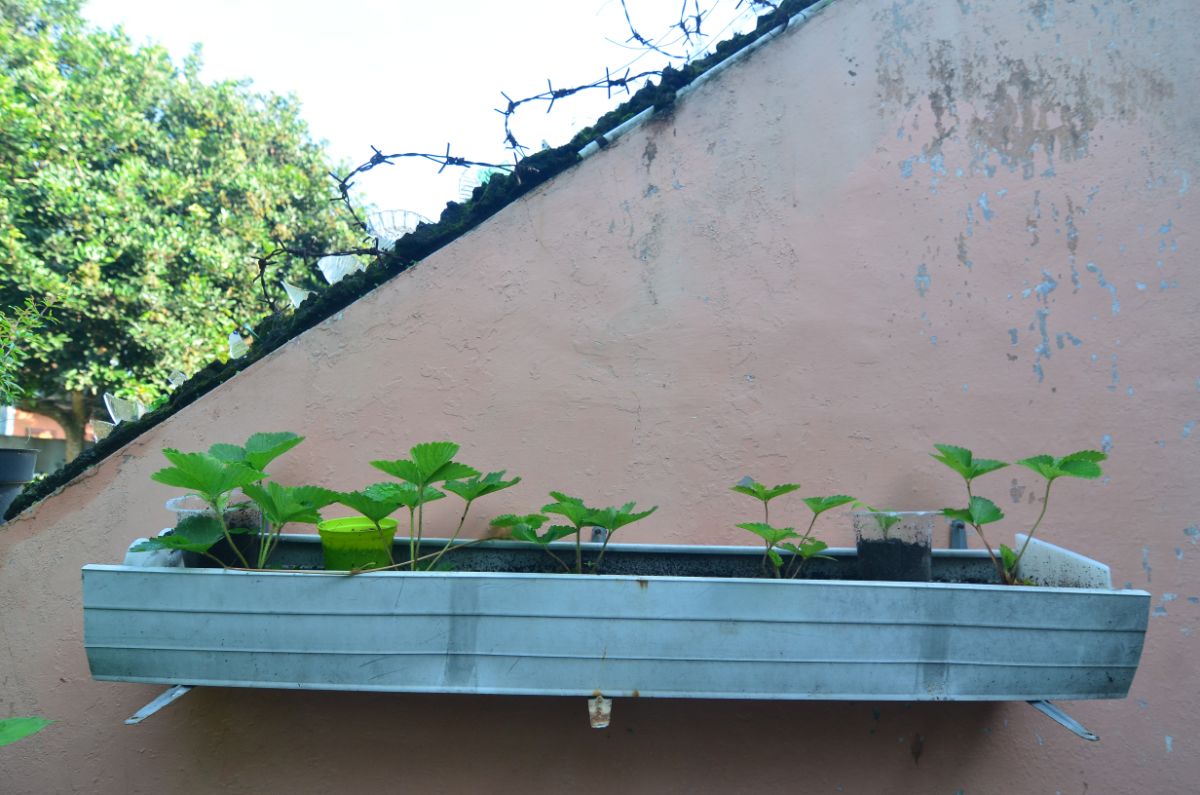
(163, 699)
(1062, 718)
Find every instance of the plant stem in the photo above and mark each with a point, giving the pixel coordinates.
(457, 530)
(997, 563)
(264, 554)
(578, 549)
(411, 563)
(560, 561)
(383, 537)
(807, 533)
(420, 520)
(603, 549)
(412, 534)
(1032, 530)
(220, 512)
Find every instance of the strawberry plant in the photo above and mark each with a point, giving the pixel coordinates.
(981, 511)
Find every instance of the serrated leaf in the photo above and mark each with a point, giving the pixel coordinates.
(957, 458)
(195, 533)
(613, 519)
(775, 557)
(204, 474)
(961, 514)
(263, 448)
(1041, 464)
(1079, 468)
(282, 504)
(772, 535)
(886, 520)
(13, 729)
(572, 508)
(534, 520)
(1008, 558)
(403, 493)
(1095, 456)
(755, 490)
(523, 532)
(478, 486)
(229, 453)
(963, 461)
(818, 505)
(984, 511)
(401, 468)
(761, 492)
(982, 466)
(370, 508)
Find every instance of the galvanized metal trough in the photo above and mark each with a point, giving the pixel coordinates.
(527, 630)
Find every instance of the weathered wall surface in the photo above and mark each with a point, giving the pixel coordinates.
(903, 223)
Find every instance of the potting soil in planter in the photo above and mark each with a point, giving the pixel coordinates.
(894, 545)
(893, 559)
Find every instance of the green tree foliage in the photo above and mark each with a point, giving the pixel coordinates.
(137, 196)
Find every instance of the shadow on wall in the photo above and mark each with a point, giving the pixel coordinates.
(730, 745)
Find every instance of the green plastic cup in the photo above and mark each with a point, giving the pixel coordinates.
(354, 543)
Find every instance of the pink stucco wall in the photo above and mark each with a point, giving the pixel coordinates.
(903, 223)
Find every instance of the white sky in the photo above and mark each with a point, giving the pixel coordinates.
(412, 76)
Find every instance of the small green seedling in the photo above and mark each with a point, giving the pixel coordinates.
(282, 505)
(213, 476)
(772, 537)
(752, 488)
(981, 511)
(471, 490)
(613, 519)
(884, 519)
(212, 480)
(575, 512)
(525, 528)
(581, 516)
(805, 547)
(429, 463)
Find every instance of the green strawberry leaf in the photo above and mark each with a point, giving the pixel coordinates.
(819, 505)
(772, 535)
(963, 461)
(572, 508)
(613, 519)
(1008, 558)
(13, 729)
(263, 448)
(753, 488)
(195, 533)
(478, 486)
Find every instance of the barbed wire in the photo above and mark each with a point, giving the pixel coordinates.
(687, 29)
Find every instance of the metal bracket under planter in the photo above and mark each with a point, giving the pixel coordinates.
(161, 700)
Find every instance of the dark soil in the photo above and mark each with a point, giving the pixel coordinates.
(893, 559)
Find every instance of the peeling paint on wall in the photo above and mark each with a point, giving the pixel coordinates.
(922, 280)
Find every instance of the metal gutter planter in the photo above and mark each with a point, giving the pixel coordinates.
(731, 635)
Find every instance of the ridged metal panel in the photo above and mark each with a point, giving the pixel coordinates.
(465, 632)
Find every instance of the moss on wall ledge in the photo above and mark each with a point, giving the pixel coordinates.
(456, 220)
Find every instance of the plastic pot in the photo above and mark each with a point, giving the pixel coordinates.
(241, 515)
(894, 545)
(16, 469)
(354, 543)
